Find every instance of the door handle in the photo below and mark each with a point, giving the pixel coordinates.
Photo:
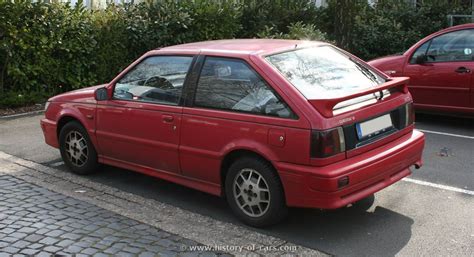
(168, 118)
(462, 70)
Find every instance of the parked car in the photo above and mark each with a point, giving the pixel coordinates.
(440, 69)
(265, 123)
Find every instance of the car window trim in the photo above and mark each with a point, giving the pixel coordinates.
(194, 75)
(198, 69)
(414, 52)
(185, 83)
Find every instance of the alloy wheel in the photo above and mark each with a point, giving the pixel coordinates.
(251, 192)
(76, 148)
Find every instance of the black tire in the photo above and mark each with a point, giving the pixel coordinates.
(275, 211)
(82, 165)
(364, 204)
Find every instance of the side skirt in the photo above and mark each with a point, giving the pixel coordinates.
(200, 185)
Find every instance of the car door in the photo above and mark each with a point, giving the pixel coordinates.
(442, 75)
(140, 125)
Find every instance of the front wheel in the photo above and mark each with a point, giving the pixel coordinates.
(254, 192)
(76, 149)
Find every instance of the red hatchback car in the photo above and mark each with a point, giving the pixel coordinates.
(440, 69)
(265, 123)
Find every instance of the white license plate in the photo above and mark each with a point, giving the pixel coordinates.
(374, 127)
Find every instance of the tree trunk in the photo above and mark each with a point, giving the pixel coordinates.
(2, 74)
(345, 12)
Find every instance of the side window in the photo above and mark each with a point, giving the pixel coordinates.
(230, 84)
(453, 46)
(156, 79)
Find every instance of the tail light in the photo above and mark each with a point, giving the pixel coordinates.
(409, 114)
(327, 143)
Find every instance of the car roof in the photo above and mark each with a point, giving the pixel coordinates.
(458, 27)
(243, 46)
(450, 29)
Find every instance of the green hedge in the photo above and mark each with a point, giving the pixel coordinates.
(44, 46)
(393, 26)
(125, 32)
(46, 49)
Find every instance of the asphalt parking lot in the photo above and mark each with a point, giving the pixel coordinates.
(429, 214)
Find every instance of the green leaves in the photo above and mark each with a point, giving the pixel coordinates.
(55, 47)
(392, 26)
(47, 45)
(46, 49)
(276, 14)
(296, 30)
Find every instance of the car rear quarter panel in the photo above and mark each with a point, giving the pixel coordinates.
(209, 135)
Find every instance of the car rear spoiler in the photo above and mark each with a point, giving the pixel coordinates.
(326, 106)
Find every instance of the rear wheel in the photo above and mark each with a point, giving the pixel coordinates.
(76, 149)
(254, 192)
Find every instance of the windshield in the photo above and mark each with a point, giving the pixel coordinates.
(324, 72)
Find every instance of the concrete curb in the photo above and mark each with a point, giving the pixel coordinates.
(228, 237)
(20, 115)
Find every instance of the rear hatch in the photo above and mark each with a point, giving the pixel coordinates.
(363, 108)
(377, 115)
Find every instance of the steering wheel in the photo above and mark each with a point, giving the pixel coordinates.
(161, 81)
(120, 93)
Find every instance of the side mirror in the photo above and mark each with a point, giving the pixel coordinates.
(421, 59)
(101, 94)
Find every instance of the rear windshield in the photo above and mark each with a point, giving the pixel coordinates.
(324, 72)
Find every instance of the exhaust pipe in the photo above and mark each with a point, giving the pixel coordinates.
(418, 165)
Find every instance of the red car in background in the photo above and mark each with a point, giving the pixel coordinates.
(266, 123)
(440, 68)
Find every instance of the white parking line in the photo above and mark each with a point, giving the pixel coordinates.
(445, 134)
(444, 187)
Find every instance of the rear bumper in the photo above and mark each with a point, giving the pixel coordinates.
(369, 172)
(49, 128)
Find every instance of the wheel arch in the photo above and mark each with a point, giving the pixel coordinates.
(67, 117)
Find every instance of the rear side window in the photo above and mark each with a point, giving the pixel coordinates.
(157, 79)
(230, 84)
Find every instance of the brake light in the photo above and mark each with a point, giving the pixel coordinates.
(409, 114)
(327, 143)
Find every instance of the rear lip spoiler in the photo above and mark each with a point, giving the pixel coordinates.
(326, 106)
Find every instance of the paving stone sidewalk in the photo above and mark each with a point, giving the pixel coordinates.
(40, 222)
